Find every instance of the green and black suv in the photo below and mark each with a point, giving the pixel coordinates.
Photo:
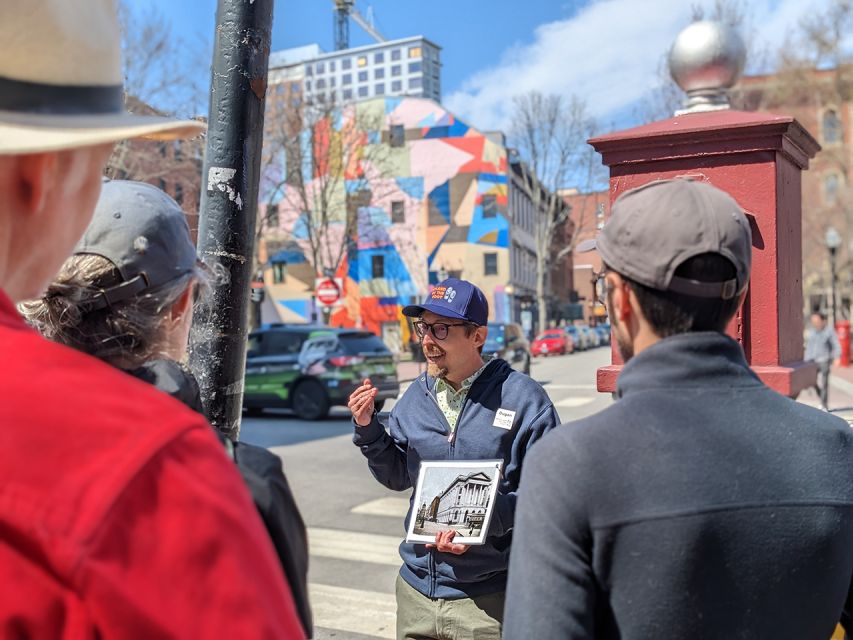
(309, 368)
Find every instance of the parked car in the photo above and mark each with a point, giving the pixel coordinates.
(603, 332)
(550, 342)
(592, 337)
(309, 368)
(579, 341)
(507, 341)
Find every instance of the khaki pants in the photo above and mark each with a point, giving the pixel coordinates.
(422, 618)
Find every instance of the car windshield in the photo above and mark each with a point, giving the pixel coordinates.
(355, 343)
(548, 335)
(495, 337)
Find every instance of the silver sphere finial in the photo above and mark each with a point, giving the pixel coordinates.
(706, 59)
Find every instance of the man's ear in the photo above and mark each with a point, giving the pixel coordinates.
(36, 179)
(480, 336)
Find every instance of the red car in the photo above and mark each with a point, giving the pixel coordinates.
(551, 342)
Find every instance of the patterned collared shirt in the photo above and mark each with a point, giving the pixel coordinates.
(450, 401)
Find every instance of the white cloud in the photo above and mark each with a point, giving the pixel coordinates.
(608, 52)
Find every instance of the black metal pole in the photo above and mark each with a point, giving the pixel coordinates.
(229, 203)
(833, 277)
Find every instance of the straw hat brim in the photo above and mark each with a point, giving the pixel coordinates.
(34, 133)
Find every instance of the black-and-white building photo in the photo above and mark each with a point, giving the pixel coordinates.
(455, 495)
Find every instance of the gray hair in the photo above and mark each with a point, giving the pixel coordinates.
(126, 334)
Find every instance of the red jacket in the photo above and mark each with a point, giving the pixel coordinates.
(120, 514)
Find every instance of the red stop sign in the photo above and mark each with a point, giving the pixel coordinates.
(328, 292)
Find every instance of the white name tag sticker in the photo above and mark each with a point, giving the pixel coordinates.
(504, 419)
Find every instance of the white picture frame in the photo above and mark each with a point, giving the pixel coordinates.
(454, 494)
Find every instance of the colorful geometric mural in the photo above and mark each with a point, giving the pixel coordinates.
(418, 206)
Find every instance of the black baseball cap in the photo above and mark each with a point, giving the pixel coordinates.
(144, 234)
(454, 298)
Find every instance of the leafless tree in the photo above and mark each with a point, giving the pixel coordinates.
(324, 163)
(161, 78)
(549, 133)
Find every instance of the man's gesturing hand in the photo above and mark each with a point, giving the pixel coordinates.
(444, 543)
(361, 403)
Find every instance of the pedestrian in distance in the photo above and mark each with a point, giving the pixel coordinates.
(126, 296)
(462, 408)
(119, 511)
(700, 503)
(823, 349)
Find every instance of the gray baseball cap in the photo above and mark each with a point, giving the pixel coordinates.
(144, 233)
(655, 228)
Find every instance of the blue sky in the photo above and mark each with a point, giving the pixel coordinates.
(607, 51)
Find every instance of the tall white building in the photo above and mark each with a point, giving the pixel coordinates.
(405, 67)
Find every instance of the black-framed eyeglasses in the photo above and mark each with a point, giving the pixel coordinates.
(602, 287)
(439, 330)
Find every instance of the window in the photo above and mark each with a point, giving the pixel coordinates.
(346, 78)
(321, 84)
(398, 135)
(309, 70)
(307, 85)
(490, 206)
(346, 63)
(377, 264)
(831, 127)
(362, 92)
(379, 89)
(490, 264)
(331, 66)
(321, 67)
(179, 193)
(415, 67)
(415, 83)
(396, 86)
(398, 211)
(414, 52)
(362, 61)
(830, 189)
(332, 81)
(396, 54)
(347, 94)
(162, 184)
(379, 56)
(362, 76)
(378, 74)
(396, 70)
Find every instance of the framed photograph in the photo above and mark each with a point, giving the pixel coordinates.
(458, 494)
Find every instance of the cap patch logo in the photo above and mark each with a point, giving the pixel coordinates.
(450, 294)
(438, 293)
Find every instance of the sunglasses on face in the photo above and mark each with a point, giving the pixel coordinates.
(439, 330)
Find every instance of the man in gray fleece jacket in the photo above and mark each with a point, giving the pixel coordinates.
(701, 504)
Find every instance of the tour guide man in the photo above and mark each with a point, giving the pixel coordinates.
(462, 409)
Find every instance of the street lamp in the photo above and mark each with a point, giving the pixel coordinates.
(833, 241)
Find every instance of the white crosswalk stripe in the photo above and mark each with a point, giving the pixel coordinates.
(353, 545)
(391, 507)
(353, 610)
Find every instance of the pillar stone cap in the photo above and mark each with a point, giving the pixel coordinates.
(708, 133)
(706, 59)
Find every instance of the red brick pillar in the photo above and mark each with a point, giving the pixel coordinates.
(758, 159)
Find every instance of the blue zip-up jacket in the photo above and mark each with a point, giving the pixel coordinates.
(419, 431)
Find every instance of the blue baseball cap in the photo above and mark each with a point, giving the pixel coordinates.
(454, 298)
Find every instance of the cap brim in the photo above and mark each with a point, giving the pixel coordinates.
(415, 310)
(20, 134)
(586, 245)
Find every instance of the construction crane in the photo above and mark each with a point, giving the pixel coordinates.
(344, 9)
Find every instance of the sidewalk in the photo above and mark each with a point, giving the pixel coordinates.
(408, 370)
(840, 393)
